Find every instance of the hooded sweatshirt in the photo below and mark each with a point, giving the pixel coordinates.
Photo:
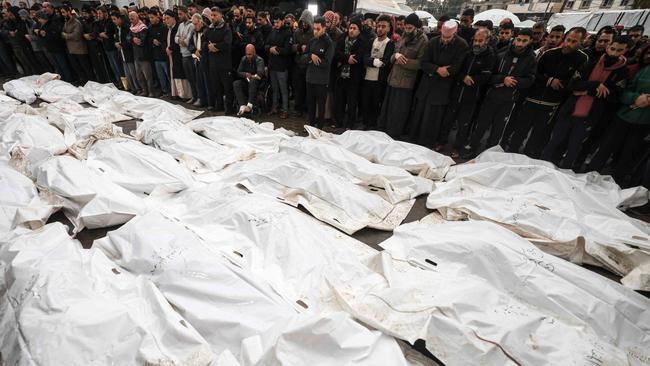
(301, 37)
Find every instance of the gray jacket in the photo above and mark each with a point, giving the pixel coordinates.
(185, 32)
(256, 66)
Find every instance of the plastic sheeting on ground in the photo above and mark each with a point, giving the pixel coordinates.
(240, 133)
(234, 309)
(20, 203)
(531, 307)
(380, 148)
(63, 305)
(137, 167)
(27, 131)
(197, 153)
(108, 97)
(574, 216)
(328, 194)
(89, 199)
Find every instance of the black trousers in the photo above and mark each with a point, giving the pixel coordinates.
(190, 75)
(537, 119)
(596, 136)
(299, 89)
(372, 96)
(346, 95)
(626, 138)
(567, 139)
(23, 55)
(96, 55)
(316, 97)
(220, 85)
(494, 115)
(462, 114)
(81, 66)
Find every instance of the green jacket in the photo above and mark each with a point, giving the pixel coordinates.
(639, 85)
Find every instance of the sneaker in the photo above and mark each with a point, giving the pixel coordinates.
(197, 103)
(191, 100)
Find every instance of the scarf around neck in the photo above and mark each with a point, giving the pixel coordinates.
(139, 27)
(600, 73)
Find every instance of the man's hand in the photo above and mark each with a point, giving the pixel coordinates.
(257, 77)
(156, 42)
(468, 80)
(64, 35)
(443, 71)
(12, 33)
(103, 35)
(642, 101)
(303, 48)
(197, 53)
(118, 45)
(181, 42)
(510, 81)
(169, 51)
(602, 91)
(247, 75)
(212, 48)
(137, 41)
(352, 60)
(315, 59)
(400, 59)
(42, 33)
(239, 35)
(274, 50)
(87, 36)
(556, 84)
(28, 37)
(579, 93)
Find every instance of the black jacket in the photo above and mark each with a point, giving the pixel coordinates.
(177, 58)
(434, 88)
(322, 47)
(158, 32)
(221, 37)
(18, 40)
(553, 64)
(282, 39)
(109, 27)
(358, 49)
(254, 37)
(53, 40)
(479, 68)
(616, 82)
(466, 33)
(141, 52)
(521, 66)
(127, 47)
(385, 59)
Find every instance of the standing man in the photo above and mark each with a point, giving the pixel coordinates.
(14, 30)
(349, 54)
(596, 89)
(377, 62)
(125, 51)
(604, 37)
(278, 47)
(216, 51)
(506, 35)
(95, 50)
(301, 38)
(466, 31)
(321, 53)
(158, 44)
(200, 63)
(182, 39)
(50, 32)
(538, 35)
(401, 80)
(555, 69)
(440, 65)
(553, 40)
(138, 37)
(252, 35)
(475, 72)
(635, 33)
(250, 71)
(238, 28)
(106, 37)
(514, 73)
(180, 86)
(76, 46)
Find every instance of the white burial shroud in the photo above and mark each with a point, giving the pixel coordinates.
(63, 305)
(380, 148)
(235, 310)
(575, 216)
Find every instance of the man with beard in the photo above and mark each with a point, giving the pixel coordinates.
(158, 39)
(301, 38)
(506, 35)
(335, 33)
(603, 38)
(278, 47)
(105, 34)
(264, 24)
(555, 69)
(95, 50)
(401, 80)
(50, 32)
(216, 50)
(377, 62)
(475, 72)
(596, 90)
(630, 126)
(465, 30)
(440, 65)
(138, 38)
(514, 73)
(199, 24)
(14, 30)
(399, 25)
(321, 53)
(41, 61)
(184, 34)
(237, 27)
(553, 40)
(250, 71)
(252, 35)
(125, 51)
(77, 49)
(635, 33)
(180, 86)
(349, 55)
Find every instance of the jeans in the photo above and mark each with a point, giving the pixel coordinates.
(115, 66)
(280, 84)
(299, 89)
(201, 83)
(162, 69)
(61, 66)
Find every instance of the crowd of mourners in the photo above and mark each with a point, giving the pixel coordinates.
(573, 98)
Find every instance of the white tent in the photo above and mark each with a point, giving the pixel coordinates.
(525, 24)
(597, 19)
(496, 16)
(380, 7)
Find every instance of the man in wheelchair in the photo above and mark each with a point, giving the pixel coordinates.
(251, 73)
